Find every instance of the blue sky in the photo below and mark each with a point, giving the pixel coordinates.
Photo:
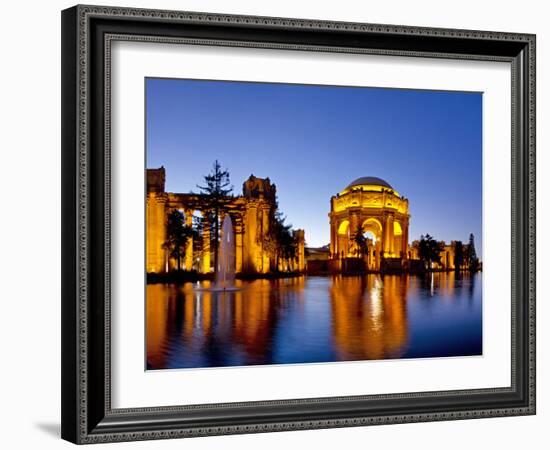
(312, 141)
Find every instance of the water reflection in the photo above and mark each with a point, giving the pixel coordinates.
(369, 317)
(314, 319)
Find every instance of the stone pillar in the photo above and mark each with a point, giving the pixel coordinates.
(388, 247)
(383, 236)
(405, 238)
(206, 247)
(336, 253)
(393, 250)
(353, 227)
(333, 237)
(300, 238)
(263, 235)
(189, 245)
(156, 232)
(238, 245)
(249, 238)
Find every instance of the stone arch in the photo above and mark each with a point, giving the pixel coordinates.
(342, 247)
(397, 245)
(374, 226)
(397, 228)
(343, 228)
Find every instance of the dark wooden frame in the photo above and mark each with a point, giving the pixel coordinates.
(87, 416)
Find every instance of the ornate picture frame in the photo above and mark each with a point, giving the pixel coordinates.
(87, 413)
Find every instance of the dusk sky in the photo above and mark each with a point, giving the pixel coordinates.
(312, 141)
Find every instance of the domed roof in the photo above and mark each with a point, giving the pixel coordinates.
(373, 181)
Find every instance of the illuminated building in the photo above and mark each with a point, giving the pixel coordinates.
(251, 214)
(372, 207)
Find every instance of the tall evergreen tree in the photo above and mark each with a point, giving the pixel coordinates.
(473, 262)
(217, 190)
(459, 255)
(283, 240)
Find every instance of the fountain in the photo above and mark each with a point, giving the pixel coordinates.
(225, 275)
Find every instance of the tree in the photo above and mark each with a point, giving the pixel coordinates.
(217, 191)
(459, 255)
(282, 240)
(198, 227)
(429, 250)
(473, 261)
(177, 235)
(360, 241)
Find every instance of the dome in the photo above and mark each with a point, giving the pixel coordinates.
(372, 181)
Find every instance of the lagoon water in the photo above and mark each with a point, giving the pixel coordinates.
(314, 319)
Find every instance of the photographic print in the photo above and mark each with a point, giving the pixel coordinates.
(293, 223)
(309, 201)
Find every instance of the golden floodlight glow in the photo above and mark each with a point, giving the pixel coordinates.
(368, 205)
(252, 218)
(369, 188)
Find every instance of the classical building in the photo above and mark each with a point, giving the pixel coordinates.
(372, 207)
(446, 256)
(251, 214)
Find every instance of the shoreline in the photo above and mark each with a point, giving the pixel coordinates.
(183, 276)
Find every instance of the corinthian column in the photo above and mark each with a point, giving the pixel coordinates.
(405, 239)
(189, 245)
(332, 237)
(389, 243)
(206, 247)
(238, 246)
